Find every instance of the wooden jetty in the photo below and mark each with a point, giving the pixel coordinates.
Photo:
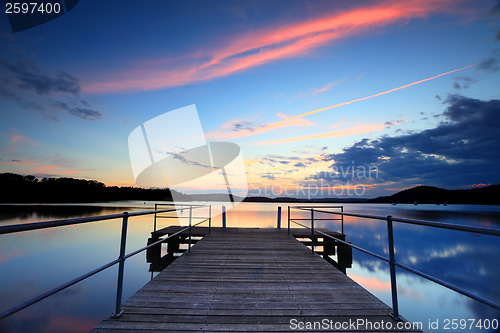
(176, 246)
(251, 280)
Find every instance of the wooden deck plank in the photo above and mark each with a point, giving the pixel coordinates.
(246, 280)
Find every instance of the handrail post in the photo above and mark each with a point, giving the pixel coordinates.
(279, 218)
(289, 220)
(156, 208)
(312, 230)
(190, 217)
(224, 217)
(121, 266)
(342, 210)
(209, 219)
(394, 288)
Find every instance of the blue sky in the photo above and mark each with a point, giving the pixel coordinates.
(74, 88)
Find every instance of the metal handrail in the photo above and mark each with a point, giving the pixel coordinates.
(391, 260)
(175, 205)
(59, 223)
(346, 243)
(443, 225)
(120, 260)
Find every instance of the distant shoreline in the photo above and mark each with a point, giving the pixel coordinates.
(19, 189)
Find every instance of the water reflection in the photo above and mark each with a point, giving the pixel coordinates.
(466, 260)
(14, 214)
(33, 262)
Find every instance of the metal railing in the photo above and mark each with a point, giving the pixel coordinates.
(121, 258)
(190, 217)
(391, 260)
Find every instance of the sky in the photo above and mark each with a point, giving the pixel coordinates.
(324, 98)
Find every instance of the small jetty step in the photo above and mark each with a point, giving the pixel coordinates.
(251, 280)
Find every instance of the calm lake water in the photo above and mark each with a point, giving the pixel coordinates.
(35, 261)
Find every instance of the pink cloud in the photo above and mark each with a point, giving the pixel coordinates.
(43, 168)
(328, 86)
(16, 138)
(360, 129)
(224, 131)
(261, 47)
(71, 171)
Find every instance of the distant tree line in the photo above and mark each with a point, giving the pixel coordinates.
(488, 195)
(20, 188)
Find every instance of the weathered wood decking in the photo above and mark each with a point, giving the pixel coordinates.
(251, 280)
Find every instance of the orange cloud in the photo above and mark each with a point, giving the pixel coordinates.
(362, 129)
(296, 122)
(280, 123)
(226, 131)
(261, 47)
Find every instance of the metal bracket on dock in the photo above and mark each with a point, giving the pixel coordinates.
(116, 315)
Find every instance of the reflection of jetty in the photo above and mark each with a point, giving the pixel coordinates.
(238, 279)
(243, 279)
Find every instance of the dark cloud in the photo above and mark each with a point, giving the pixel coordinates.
(463, 82)
(325, 175)
(25, 83)
(497, 36)
(494, 11)
(243, 126)
(461, 150)
(392, 123)
(84, 113)
(85, 103)
(488, 64)
(300, 165)
(31, 78)
(15, 161)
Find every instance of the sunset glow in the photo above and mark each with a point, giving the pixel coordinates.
(322, 98)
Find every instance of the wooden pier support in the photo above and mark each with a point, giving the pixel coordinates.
(325, 246)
